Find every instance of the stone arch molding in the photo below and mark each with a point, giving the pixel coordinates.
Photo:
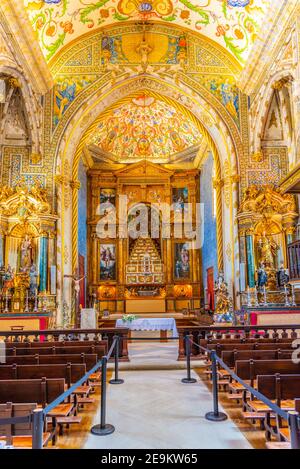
(32, 106)
(261, 106)
(85, 115)
(70, 148)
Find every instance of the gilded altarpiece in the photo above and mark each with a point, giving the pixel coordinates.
(267, 220)
(156, 273)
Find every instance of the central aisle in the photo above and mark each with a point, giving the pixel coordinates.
(154, 410)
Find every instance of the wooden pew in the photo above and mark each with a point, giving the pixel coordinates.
(19, 434)
(283, 389)
(89, 359)
(70, 372)
(42, 391)
(206, 342)
(251, 346)
(58, 343)
(250, 369)
(230, 357)
(100, 350)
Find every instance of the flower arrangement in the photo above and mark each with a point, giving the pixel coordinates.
(128, 317)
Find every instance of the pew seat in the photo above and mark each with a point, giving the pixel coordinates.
(25, 441)
(259, 406)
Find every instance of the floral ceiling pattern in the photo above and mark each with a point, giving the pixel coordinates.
(234, 24)
(145, 127)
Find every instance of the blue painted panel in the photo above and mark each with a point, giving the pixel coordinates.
(209, 249)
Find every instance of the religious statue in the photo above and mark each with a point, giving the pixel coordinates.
(144, 49)
(224, 302)
(33, 275)
(283, 277)
(26, 254)
(8, 279)
(268, 250)
(262, 277)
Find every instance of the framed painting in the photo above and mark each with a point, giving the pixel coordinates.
(180, 197)
(108, 196)
(107, 262)
(182, 261)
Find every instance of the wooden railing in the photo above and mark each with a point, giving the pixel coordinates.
(197, 332)
(237, 332)
(54, 335)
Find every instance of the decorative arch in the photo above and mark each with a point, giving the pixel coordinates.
(275, 83)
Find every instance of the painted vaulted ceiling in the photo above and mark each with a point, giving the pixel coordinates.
(234, 24)
(144, 127)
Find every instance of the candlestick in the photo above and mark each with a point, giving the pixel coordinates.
(256, 297)
(293, 296)
(286, 296)
(6, 303)
(265, 296)
(248, 297)
(35, 310)
(26, 310)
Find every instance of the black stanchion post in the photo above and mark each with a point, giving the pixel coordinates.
(104, 428)
(37, 428)
(215, 416)
(116, 379)
(294, 424)
(188, 379)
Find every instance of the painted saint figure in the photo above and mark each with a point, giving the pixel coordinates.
(26, 254)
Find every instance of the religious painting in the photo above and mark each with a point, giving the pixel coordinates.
(180, 197)
(108, 196)
(107, 262)
(182, 267)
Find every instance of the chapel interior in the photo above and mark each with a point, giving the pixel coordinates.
(149, 214)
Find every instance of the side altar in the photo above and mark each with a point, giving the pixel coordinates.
(158, 270)
(27, 257)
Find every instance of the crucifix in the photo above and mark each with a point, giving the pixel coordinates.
(76, 288)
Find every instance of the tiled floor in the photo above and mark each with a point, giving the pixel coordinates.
(154, 410)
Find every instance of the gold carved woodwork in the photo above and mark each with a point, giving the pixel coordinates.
(23, 202)
(183, 291)
(279, 84)
(267, 200)
(257, 157)
(107, 292)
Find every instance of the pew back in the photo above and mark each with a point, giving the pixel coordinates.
(250, 369)
(279, 386)
(41, 391)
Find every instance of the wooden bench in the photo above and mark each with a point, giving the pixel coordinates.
(71, 372)
(99, 350)
(19, 435)
(248, 370)
(281, 389)
(230, 357)
(90, 360)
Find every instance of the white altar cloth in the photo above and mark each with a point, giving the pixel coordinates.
(150, 324)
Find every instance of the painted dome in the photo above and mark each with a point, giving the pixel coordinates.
(145, 127)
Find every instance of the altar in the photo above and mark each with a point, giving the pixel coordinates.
(274, 316)
(150, 324)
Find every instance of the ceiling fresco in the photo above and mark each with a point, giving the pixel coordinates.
(234, 24)
(145, 127)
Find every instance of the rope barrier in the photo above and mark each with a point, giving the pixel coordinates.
(275, 408)
(70, 391)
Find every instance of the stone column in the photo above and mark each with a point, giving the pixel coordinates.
(250, 260)
(43, 263)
